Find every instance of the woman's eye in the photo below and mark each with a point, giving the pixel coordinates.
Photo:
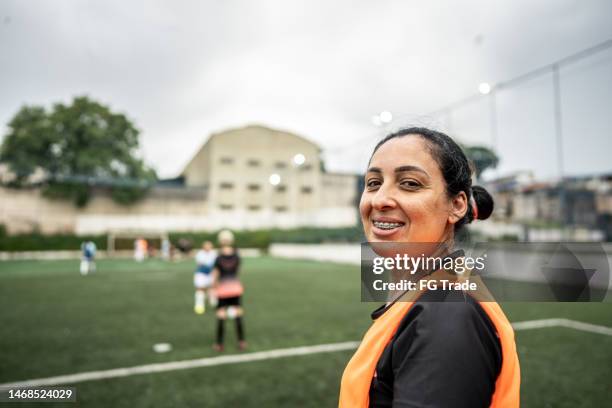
(412, 184)
(372, 183)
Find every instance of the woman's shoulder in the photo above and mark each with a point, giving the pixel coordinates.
(446, 336)
(450, 324)
(453, 321)
(447, 311)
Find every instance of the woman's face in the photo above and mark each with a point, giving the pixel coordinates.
(405, 198)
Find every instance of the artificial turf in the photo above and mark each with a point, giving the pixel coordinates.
(54, 321)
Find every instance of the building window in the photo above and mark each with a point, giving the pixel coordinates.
(306, 190)
(306, 167)
(253, 187)
(280, 165)
(226, 207)
(254, 207)
(253, 163)
(226, 160)
(226, 186)
(280, 208)
(280, 189)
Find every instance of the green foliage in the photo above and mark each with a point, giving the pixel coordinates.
(263, 238)
(38, 242)
(28, 137)
(244, 239)
(482, 158)
(77, 146)
(78, 192)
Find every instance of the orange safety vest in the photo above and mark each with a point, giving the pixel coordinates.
(358, 374)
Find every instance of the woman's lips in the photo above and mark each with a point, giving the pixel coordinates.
(386, 228)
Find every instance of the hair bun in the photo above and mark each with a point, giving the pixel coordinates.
(484, 202)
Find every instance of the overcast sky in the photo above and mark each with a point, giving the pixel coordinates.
(184, 69)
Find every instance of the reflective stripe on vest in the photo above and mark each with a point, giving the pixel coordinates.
(358, 374)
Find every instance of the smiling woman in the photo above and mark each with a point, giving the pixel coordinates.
(418, 189)
(444, 349)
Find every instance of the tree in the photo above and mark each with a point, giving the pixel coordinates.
(482, 158)
(77, 147)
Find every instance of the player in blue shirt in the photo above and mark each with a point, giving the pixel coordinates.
(88, 263)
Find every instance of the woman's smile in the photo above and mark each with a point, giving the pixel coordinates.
(385, 227)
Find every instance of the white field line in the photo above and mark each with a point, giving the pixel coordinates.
(263, 355)
(588, 327)
(536, 324)
(570, 324)
(182, 365)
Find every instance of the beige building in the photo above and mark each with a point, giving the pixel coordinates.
(262, 176)
(246, 178)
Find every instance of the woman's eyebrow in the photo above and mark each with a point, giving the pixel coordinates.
(402, 169)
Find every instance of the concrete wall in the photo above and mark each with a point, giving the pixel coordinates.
(340, 253)
(25, 210)
(239, 220)
(511, 254)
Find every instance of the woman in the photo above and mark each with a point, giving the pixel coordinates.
(443, 349)
(228, 289)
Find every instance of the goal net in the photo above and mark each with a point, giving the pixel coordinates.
(124, 240)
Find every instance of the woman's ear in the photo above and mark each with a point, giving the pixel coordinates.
(458, 207)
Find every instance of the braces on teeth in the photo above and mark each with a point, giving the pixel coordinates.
(387, 225)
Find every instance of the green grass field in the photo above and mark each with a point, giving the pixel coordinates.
(55, 322)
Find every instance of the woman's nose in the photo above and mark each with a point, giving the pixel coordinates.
(383, 199)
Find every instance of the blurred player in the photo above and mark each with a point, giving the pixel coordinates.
(165, 249)
(140, 249)
(202, 279)
(88, 251)
(228, 289)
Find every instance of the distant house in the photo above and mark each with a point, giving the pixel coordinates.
(580, 202)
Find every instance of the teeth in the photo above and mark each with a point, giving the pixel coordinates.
(387, 225)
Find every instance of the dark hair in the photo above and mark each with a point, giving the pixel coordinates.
(455, 169)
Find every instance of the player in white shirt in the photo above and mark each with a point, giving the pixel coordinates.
(140, 249)
(203, 279)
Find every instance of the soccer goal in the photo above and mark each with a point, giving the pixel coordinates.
(123, 240)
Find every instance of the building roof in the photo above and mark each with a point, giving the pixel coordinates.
(249, 127)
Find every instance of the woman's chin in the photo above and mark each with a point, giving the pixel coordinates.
(399, 243)
(385, 244)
